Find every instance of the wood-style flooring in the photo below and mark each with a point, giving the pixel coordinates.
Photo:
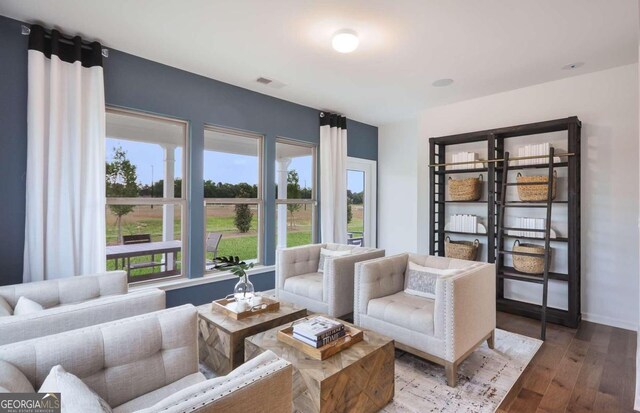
(591, 369)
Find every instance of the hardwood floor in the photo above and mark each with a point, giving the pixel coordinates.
(591, 369)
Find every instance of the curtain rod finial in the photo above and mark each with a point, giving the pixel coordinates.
(105, 52)
(25, 30)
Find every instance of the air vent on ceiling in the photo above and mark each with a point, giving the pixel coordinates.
(264, 80)
(272, 83)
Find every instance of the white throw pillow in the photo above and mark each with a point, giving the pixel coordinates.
(13, 380)
(76, 397)
(26, 306)
(421, 281)
(5, 308)
(324, 253)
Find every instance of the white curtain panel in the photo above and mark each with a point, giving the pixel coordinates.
(333, 178)
(65, 197)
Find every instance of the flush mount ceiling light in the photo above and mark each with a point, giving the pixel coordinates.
(345, 41)
(572, 66)
(442, 82)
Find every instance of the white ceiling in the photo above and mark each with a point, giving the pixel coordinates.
(486, 46)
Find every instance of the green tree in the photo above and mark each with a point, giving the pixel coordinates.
(243, 217)
(121, 180)
(349, 212)
(293, 192)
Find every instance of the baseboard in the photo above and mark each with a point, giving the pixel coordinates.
(609, 321)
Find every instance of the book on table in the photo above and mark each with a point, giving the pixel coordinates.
(318, 331)
(317, 343)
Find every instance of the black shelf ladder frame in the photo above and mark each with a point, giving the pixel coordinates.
(495, 141)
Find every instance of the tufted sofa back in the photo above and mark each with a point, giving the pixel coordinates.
(120, 360)
(52, 293)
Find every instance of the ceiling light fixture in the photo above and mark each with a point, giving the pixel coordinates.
(345, 41)
(572, 66)
(442, 82)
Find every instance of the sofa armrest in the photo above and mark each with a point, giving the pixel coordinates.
(296, 261)
(73, 316)
(377, 278)
(266, 385)
(338, 280)
(465, 309)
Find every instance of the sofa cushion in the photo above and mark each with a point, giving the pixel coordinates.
(5, 308)
(324, 253)
(151, 398)
(26, 306)
(12, 379)
(421, 281)
(405, 310)
(76, 397)
(306, 285)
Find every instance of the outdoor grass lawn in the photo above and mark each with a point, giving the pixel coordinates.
(147, 220)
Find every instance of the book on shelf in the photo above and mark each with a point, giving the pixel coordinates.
(318, 327)
(317, 343)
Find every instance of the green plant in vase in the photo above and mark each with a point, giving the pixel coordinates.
(243, 292)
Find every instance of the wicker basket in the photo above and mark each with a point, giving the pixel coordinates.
(535, 192)
(468, 189)
(526, 264)
(464, 250)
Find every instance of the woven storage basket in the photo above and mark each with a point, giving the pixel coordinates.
(535, 192)
(464, 250)
(468, 189)
(528, 265)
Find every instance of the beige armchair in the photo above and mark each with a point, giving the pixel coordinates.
(444, 330)
(331, 291)
(71, 303)
(148, 364)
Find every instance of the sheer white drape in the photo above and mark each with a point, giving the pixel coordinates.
(333, 182)
(65, 200)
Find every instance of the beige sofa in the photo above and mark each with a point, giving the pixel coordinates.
(445, 330)
(149, 363)
(74, 302)
(330, 292)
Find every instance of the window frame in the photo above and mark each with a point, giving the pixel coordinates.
(313, 201)
(182, 201)
(258, 202)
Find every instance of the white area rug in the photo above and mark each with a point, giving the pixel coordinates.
(484, 378)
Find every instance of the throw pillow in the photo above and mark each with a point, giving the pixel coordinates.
(421, 281)
(12, 379)
(76, 397)
(324, 253)
(26, 306)
(5, 308)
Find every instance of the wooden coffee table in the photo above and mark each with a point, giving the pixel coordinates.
(357, 379)
(221, 338)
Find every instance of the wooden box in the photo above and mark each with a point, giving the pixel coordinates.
(352, 336)
(268, 305)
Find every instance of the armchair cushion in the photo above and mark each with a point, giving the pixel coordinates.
(13, 380)
(324, 253)
(156, 396)
(421, 281)
(306, 285)
(5, 308)
(26, 306)
(404, 310)
(78, 397)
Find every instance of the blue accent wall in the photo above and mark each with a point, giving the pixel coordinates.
(140, 84)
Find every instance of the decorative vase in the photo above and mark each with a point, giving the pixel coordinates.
(244, 291)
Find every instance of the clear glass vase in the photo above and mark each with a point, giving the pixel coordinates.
(244, 291)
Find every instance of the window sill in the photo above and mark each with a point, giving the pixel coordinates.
(175, 283)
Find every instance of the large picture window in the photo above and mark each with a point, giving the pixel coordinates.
(145, 208)
(295, 193)
(233, 196)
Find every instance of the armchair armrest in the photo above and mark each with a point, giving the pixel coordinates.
(465, 309)
(377, 278)
(339, 280)
(296, 261)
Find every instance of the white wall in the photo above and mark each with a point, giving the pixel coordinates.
(607, 104)
(398, 187)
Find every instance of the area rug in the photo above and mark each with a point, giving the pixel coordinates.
(484, 378)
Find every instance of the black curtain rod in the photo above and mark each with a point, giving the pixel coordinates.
(26, 30)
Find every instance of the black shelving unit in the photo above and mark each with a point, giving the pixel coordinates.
(495, 141)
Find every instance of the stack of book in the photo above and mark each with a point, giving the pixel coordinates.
(464, 223)
(541, 149)
(465, 157)
(528, 223)
(318, 331)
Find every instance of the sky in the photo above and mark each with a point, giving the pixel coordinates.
(218, 166)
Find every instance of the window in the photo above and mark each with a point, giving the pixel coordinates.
(233, 195)
(295, 193)
(145, 208)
